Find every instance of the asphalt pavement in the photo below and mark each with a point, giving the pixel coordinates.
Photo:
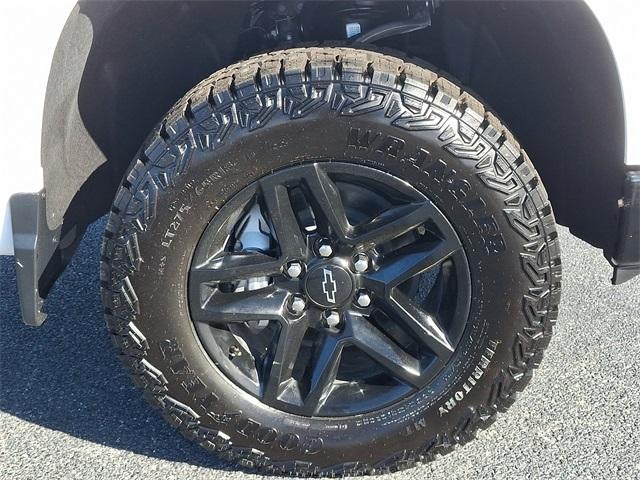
(69, 411)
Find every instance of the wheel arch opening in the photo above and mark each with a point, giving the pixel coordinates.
(545, 68)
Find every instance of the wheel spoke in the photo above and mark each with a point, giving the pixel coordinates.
(267, 303)
(290, 237)
(411, 262)
(384, 351)
(437, 292)
(284, 357)
(236, 266)
(426, 327)
(323, 374)
(394, 222)
(326, 202)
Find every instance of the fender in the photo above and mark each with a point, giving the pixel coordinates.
(619, 27)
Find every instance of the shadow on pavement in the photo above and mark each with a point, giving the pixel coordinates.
(65, 375)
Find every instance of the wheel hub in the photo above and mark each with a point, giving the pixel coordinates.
(329, 285)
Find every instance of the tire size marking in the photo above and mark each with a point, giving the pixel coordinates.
(174, 226)
(440, 172)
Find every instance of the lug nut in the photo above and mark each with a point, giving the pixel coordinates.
(361, 262)
(294, 269)
(331, 319)
(297, 304)
(363, 299)
(324, 248)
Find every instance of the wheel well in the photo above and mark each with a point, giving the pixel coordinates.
(544, 67)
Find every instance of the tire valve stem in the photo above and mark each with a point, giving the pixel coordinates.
(234, 351)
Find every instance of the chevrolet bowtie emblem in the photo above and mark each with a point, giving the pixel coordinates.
(329, 286)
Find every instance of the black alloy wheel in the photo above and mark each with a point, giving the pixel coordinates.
(354, 294)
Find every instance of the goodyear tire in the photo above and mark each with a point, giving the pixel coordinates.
(353, 108)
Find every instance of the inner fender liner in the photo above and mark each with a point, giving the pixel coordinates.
(69, 155)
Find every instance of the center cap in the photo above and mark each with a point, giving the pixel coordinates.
(329, 286)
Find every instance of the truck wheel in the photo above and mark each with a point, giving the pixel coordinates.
(329, 261)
